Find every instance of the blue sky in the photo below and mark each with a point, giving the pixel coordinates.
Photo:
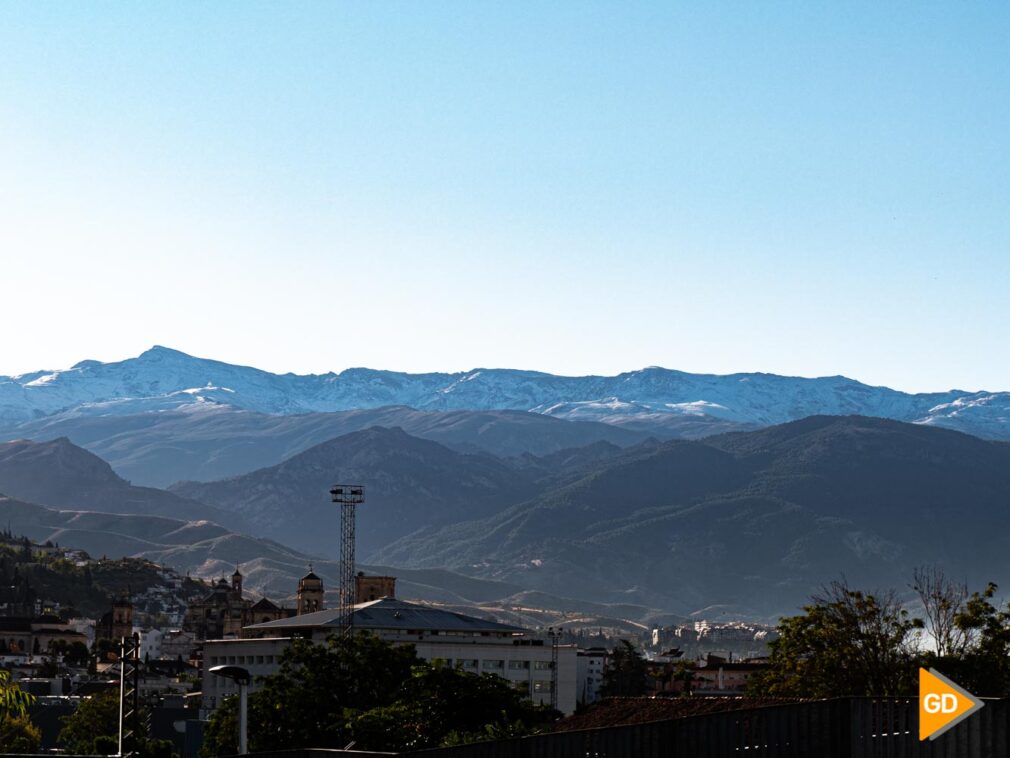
(803, 188)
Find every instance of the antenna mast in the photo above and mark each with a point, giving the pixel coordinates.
(349, 496)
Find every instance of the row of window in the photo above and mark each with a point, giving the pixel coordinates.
(539, 686)
(216, 660)
(467, 664)
(472, 664)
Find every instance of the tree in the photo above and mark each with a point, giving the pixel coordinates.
(19, 735)
(88, 730)
(76, 654)
(683, 673)
(364, 690)
(93, 729)
(448, 701)
(14, 701)
(845, 643)
(303, 703)
(983, 666)
(943, 600)
(626, 673)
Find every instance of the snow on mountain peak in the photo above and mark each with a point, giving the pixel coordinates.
(163, 378)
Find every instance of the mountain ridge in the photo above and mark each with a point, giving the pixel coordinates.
(753, 521)
(162, 378)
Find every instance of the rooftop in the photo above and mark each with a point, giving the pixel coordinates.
(389, 613)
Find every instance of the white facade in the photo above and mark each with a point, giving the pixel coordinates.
(260, 657)
(590, 667)
(474, 645)
(526, 667)
(150, 643)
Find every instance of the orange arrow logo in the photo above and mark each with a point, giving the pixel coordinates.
(942, 704)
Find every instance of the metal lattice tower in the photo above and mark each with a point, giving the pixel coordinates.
(349, 496)
(555, 635)
(129, 696)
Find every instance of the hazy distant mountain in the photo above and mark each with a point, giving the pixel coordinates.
(58, 473)
(214, 441)
(210, 551)
(411, 484)
(688, 405)
(740, 524)
(750, 521)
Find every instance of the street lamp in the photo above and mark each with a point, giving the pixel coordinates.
(242, 678)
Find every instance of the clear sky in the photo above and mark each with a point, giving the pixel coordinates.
(803, 188)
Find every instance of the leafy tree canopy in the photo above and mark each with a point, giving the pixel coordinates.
(95, 720)
(380, 696)
(93, 729)
(14, 701)
(626, 674)
(845, 643)
(19, 735)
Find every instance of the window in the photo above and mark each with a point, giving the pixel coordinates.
(518, 665)
(542, 665)
(259, 659)
(541, 685)
(523, 687)
(494, 665)
(468, 664)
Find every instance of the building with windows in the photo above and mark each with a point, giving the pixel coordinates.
(590, 665)
(472, 644)
(27, 637)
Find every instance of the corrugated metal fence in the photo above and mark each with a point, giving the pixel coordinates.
(843, 728)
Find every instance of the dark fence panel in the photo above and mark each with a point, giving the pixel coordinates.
(844, 728)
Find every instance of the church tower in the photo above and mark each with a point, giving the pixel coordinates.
(236, 583)
(122, 619)
(310, 593)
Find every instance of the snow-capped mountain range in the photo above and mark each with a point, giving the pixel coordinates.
(165, 379)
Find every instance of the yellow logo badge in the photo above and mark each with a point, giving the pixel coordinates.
(942, 704)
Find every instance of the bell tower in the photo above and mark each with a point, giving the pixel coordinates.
(310, 593)
(236, 582)
(122, 618)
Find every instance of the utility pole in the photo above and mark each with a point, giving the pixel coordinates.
(348, 496)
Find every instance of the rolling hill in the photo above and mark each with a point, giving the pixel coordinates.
(59, 473)
(751, 521)
(413, 484)
(211, 441)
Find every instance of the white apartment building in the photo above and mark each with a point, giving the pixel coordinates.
(472, 644)
(591, 664)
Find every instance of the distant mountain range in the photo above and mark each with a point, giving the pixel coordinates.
(61, 474)
(413, 484)
(750, 521)
(650, 399)
(205, 443)
(210, 551)
(653, 491)
(744, 524)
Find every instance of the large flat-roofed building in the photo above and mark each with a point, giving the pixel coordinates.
(473, 644)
